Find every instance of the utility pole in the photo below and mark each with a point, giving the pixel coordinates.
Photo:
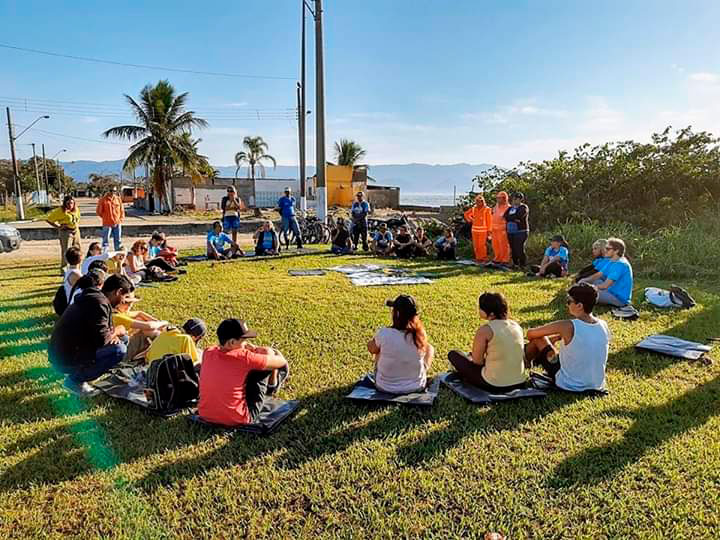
(320, 162)
(20, 211)
(37, 174)
(301, 114)
(47, 183)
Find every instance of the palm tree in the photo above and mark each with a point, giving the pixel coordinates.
(159, 140)
(253, 155)
(348, 153)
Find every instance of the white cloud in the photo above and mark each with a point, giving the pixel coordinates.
(89, 119)
(519, 111)
(705, 77)
(238, 104)
(600, 116)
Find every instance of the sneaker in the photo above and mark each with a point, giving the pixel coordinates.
(80, 389)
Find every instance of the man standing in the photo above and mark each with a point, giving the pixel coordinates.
(66, 220)
(84, 343)
(287, 213)
(359, 213)
(480, 217)
(111, 211)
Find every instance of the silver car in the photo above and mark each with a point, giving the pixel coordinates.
(9, 238)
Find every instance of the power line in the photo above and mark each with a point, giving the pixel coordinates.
(52, 133)
(144, 66)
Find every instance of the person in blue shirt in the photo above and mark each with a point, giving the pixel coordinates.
(382, 242)
(555, 260)
(598, 263)
(267, 241)
(286, 204)
(359, 213)
(217, 241)
(446, 245)
(615, 281)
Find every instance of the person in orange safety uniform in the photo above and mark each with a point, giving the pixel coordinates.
(480, 216)
(500, 242)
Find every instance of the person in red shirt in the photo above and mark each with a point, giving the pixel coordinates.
(112, 212)
(236, 376)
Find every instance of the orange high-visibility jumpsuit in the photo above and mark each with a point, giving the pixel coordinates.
(500, 242)
(481, 219)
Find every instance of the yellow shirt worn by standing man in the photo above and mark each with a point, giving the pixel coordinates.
(172, 341)
(64, 218)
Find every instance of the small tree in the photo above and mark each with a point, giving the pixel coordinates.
(348, 153)
(253, 156)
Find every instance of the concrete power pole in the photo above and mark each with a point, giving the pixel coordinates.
(20, 211)
(320, 164)
(301, 114)
(37, 173)
(47, 183)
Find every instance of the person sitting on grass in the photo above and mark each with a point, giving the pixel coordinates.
(216, 242)
(95, 253)
(404, 243)
(158, 247)
(84, 343)
(237, 376)
(141, 327)
(178, 341)
(446, 245)
(423, 244)
(95, 277)
(555, 260)
(402, 352)
(139, 265)
(341, 242)
(267, 241)
(73, 256)
(599, 260)
(579, 363)
(382, 241)
(497, 360)
(615, 281)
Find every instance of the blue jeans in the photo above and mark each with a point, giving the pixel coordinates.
(290, 222)
(116, 231)
(231, 223)
(340, 250)
(106, 358)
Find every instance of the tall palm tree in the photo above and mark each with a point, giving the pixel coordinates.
(348, 153)
(253, 155)
(159, 140)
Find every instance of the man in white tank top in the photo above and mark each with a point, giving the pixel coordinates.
(573, 352)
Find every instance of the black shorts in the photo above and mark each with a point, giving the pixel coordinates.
(550, 365)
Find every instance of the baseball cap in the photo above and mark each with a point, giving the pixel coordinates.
(558, 238)
(287, 188)
(234, 329)
(195, 327)
(404, 303)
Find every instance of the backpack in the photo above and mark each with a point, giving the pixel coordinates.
(172, 384)
(681, 297)
(60, 302)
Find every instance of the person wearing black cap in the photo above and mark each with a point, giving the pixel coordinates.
(555, 260)
(518, 228)
(236, 376)
(178, 341)
(402, 352)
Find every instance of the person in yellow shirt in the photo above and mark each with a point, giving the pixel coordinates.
(178, 341)
(66, 219)
(141, 327)
(480, 217)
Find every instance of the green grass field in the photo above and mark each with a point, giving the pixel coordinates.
(641, 463)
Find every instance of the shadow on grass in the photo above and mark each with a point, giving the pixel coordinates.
(652, 427)
(27, 324)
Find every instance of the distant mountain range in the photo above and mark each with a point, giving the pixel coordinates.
(410, 178)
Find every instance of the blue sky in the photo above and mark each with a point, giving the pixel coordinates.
(410, 80)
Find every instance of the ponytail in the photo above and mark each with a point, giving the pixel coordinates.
(412, 327)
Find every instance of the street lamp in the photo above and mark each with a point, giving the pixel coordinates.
(57, 168)
(16, 172)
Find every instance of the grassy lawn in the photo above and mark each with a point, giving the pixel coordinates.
(10, 213)
(641, 463)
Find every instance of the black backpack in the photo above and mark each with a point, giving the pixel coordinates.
(60, 302)
(681, 297)
(172, 384)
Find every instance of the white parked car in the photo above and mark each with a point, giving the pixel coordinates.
(9, 238)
